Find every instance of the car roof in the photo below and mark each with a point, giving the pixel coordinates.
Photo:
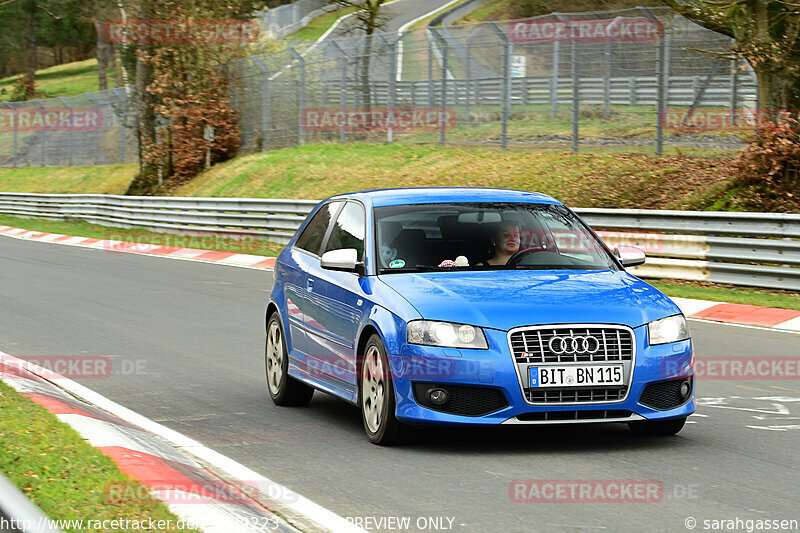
(433, 195)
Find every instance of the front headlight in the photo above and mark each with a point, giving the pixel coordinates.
(445, 334)
(670, 329)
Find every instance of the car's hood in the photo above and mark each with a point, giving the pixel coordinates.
(504, 299)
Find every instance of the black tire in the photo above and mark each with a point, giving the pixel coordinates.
(376, 396)
(283, 389)
(657, 428)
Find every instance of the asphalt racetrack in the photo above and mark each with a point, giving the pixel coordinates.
(186, 339)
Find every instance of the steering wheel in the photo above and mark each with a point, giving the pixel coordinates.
(514, 259)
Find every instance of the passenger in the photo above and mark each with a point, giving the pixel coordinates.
(505, 243)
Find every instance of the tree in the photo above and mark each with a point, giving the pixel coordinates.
(765, 34)
(32, 11)
(368, 18)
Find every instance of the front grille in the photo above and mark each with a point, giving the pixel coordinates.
(533, 345)
(573, 395)
(575, 415)
(464, 400)
(573, 344)
(663, 395)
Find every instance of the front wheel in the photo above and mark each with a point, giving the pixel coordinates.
(283, 389)
(376, 396)
(658, 428)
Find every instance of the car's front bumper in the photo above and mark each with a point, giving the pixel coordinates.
(493, 370)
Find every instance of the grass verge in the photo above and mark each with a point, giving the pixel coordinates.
(100, 179)
(728, 293)
(244, 245)
(63, 474)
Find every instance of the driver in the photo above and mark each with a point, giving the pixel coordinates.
(505, 243)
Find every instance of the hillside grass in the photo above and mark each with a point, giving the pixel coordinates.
(584, 180)
(100, 179)
(69, 79)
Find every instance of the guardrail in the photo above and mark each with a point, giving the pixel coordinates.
(18, 514)
(751, 249)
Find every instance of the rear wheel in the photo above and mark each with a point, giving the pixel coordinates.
(376, 396)
(658, 427)
(283, 389)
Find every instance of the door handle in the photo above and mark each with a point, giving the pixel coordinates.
(310, 284)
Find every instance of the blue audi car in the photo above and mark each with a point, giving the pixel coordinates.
(472, 306)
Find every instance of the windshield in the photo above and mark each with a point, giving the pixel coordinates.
(485, 236)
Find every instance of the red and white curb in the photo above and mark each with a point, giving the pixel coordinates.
(172, 252)
(748, 315)
(174, 468)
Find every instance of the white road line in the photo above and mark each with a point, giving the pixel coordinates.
(407, 25)
(315, 512)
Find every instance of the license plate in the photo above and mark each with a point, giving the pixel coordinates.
(574, 375)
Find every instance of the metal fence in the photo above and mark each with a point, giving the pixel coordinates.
(497, 84)
(481, 84)
(750, 249)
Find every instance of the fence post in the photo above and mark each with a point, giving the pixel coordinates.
(301, 95)
(607, 75)
(392, 88)
(122, 122)
(554, 79)
(99, 133)
(443, 88)
(661, 68)
(430, 68)
(69, 133)
(734, 91)
(15, 118)
(575, 82)
(44, 138)
(343, 58)
(506, 99)
(468, 80)
(264, 104)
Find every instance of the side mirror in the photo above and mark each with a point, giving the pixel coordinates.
(345, 260)
(630, 256)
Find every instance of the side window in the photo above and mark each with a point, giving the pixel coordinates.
(349, 230)
(311, 238)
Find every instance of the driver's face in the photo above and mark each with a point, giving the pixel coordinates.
(507, 240)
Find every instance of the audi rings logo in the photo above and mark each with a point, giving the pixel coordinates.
(578, 345)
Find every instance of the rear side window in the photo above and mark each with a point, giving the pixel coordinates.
(349, 230)
(313, 234)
